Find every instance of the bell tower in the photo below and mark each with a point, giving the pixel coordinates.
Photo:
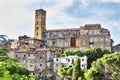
(40, 24)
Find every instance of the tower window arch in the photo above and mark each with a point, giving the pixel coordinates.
(37, 33)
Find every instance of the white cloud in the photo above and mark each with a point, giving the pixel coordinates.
(114, 1)
(84, 3)
(14, 16)
(56, 13)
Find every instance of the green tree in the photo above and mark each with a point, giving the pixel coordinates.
(67, 53)
(3, 54)
(93, 54)
(10, 69)
(77, 71)
(77, 52)
(65, 72)
(3, 51)
(105, 68)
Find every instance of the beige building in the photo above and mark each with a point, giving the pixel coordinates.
(88, 36)
(21, 56)
(34, 59)
(93, 35)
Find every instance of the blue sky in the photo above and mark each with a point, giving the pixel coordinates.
(17, 16)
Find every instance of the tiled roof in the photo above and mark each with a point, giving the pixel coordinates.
(22, 50)
(42, 49)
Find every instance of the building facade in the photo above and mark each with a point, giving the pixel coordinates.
(69, 61)
(88, 36)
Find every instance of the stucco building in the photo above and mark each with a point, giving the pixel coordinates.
(68, 61)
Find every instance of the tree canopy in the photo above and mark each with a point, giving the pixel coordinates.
(10, 69)
(65, 72)
(105, 68)
(92, 54)
(77, 71)
(73, 72)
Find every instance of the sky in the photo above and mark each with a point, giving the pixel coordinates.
(17, 17)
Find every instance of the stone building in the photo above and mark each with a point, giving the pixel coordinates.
(93, 35)
(21, 56)
(88, 36)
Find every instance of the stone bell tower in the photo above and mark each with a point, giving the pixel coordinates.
(40, 24)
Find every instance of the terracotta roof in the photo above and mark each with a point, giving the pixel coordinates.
(42, 49)
(69, 29)
(22, 50)
(32, 38)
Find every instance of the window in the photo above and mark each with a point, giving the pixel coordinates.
(24, 55)
(50, 35)
(61, 35)
(36, 33)
(72, 61)
(40, 64)
(37, 28)
(40, 57)
(71, 34)
(16, 55)
(68, 60)
(82, 65)
(56, 59)
(56, 65)
(30, 65)
(28, 55)
(82, 59)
